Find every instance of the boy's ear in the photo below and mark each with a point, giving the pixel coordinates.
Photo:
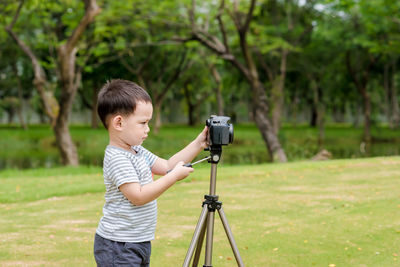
(116, 122)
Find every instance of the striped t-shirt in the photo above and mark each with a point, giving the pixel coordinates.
(122, 221)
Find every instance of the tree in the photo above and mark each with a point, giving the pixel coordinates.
(366, 38)
(157, 76)
(241, 25)
(383, 21)
(279, 30)
(13, 81)
(69, 76)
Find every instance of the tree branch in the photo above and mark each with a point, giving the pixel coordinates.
(91, 10)
(215, 73)
(266, 68)
(39, 73)
(365, 76)
(128, 67)
(352, 72)
(51, 107)
(202, 99)
(212, 43)
(85, 102)
(209, 44)
(221, 25)
(9, 27)
(236, 19)
(249, 17)
(191, 12)
(177, 73)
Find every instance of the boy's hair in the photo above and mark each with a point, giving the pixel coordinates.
(119, 97)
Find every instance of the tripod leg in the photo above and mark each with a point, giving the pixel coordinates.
(196, 235)
(209, 240)
(199, 246)
(230, 237)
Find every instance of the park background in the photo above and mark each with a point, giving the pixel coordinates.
(302, 80)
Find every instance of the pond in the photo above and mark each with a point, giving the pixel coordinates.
(36, 147)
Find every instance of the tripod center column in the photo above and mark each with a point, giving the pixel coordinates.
(213, 178)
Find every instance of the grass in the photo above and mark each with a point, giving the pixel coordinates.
(333, 213)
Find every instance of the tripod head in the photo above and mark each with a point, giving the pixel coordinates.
(215, 154)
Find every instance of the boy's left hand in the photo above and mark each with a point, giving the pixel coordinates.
(201, 139)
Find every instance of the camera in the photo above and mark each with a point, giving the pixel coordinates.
(220, 132)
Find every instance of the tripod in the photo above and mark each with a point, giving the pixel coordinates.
(210, 204)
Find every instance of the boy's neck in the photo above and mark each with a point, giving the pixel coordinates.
(120, 144)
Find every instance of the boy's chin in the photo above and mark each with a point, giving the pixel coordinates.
(138, 143)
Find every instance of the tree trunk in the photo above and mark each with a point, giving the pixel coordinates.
(220, 100)
(358, 113)
(95, 118)
(314, 115)
(367, 115)
(276, 103)
(191, 115)
(190, 106)
(321, 123)
(157, 115)
(395, 118)
(319, 108)
(361, 83)
(20, 98)
(11, 114)
(65, 145)
(260, 111)
(260, 107)
(69, 87)
(294, 108)
(20, 111)
(217, 90)
(386, 87)
(277, 94)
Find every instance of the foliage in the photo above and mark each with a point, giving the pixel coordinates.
(151, 36)
(128, 28)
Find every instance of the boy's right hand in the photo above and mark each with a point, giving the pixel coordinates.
(180, 171)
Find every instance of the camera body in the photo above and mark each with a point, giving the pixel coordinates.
(220, 132)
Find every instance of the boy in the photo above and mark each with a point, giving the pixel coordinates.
(130, 210)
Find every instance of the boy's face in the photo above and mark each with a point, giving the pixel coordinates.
(135, 127)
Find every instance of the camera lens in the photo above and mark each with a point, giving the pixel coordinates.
(230, 133)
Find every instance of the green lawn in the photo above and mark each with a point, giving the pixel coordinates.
(333, 213)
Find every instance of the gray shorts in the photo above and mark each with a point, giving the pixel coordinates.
(108, 253)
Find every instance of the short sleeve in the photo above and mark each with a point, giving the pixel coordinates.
(121, 170)
(150, 157)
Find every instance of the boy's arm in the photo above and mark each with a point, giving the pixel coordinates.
(140, 195)
(161, 166)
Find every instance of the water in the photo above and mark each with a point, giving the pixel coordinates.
(50, 158)
(36, 147)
